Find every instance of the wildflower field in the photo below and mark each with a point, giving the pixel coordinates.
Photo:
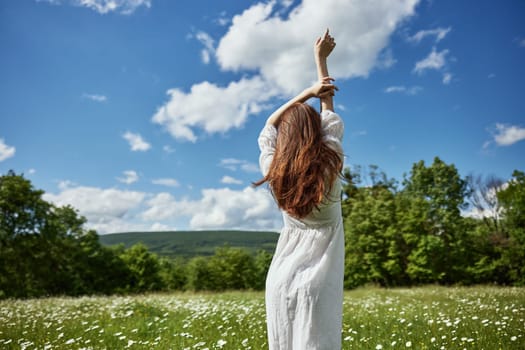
(417, 318)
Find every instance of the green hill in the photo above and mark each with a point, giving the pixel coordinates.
(191, 243)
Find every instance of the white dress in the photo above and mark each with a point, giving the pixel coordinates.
(304, 286)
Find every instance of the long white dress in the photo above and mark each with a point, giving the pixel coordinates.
(304, 286)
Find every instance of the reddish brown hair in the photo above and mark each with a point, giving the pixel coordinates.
(303, 168)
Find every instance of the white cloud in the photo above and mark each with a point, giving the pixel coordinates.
(6, 151)
(439, 33)
(230, 180)
(507, 135)
(107, 210)
(276, 51)
(249, 209)
(117, 225)
(213, 108)
(205, 56)
(413, 90)
(125, 7)
(164, 206)
(435, 60)
(206, 40)
(130, 176)
(447, 78)
(95, 97)
(162, 227)
(281, 49)
(166, 182)
(522, 43)
(396, 88)
(136, 142)
(234, 164)
(112, 210)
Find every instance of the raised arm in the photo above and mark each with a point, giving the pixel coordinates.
(304, 96)
(322, 49)
(321, 89)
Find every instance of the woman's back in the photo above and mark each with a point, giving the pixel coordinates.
(327, 214)
(301, 157)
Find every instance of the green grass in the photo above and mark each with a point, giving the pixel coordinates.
(188, 244)
(419, 318)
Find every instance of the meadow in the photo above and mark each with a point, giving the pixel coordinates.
(429, 317)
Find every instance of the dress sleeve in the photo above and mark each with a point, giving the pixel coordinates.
(267, 140)
(333, 129)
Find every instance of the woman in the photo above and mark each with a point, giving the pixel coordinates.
(301, 159)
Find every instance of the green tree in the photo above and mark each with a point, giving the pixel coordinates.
(144, 269)
(262, 262)
(512, 200)
(432, 223)
(37, 241)
(198, 273)
(231, 268)
(23, 212)
(45, 249)
(22, 209)
(370, 229)
(488, 234)
(100, 269)
(173, 273)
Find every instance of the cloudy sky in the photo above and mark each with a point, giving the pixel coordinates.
(144, 114)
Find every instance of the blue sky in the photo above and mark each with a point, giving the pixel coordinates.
(144, 114)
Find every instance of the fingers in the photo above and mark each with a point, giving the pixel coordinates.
(326, 84)
(327, 80)
(327, 37)
(331, 41)
(329, 87)
(327, 90)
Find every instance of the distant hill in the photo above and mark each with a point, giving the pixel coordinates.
(191, 243)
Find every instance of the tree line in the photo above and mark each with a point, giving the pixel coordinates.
(46, 250)
(416, 232)
(396, 234)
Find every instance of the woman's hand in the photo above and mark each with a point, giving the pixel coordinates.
(323, 88)
(324, 46)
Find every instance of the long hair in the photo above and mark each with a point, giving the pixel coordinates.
(303, 168)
